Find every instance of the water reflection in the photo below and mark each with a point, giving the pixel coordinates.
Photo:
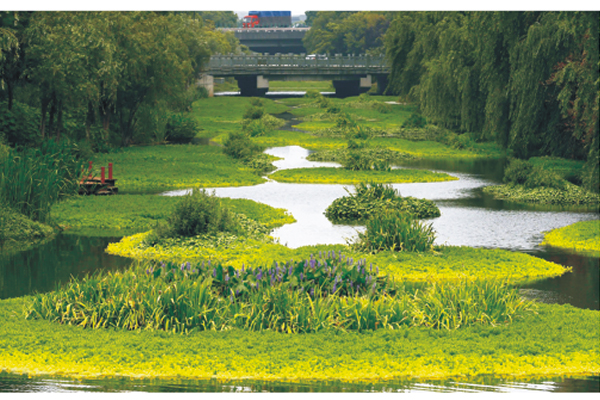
(53, 263)
(19, 383)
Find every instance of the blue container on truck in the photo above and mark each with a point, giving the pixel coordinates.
(268, 19)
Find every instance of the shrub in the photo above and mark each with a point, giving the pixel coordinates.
(180, 128)
(239, 145)
(395, 231)
(313, 94)
(415, 120)
(198, 213)
(517, 171)
(254, 112)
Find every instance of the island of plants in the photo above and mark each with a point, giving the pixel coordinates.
(581, 237)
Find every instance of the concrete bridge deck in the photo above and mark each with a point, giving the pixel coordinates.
(351, 75)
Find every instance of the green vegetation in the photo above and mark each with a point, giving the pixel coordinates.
(581, 237)
(555, 341)
(17, 232)
(218, 116)
(543, 180)
(128, 214)
(342, 176)
(331, 292)
(373, 198)
(397, 231)
(527, 81)
(445, 263)
(34, 179)
(159, 168)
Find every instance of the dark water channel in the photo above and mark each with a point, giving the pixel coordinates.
(469, 217)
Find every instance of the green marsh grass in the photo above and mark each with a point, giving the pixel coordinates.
(32, 180)
(329, 291)
(582, 237)
(571, 195)
(343, 176)
(159, 168)
(397, 231)
(223, 115)
(129, 214)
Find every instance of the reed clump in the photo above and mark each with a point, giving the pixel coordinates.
(396, 231)
(33, 179)
(326, 292)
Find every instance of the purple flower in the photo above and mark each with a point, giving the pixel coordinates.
(259, 275)
(290, 270)
(312, 263)
(377, 270)
(242, 268)
(371, 268)
(226, 278)
(182, 267)
(312, 292)
(237, 292)
(188, 265)
(334, 286)
(237, 273)
(214, 272)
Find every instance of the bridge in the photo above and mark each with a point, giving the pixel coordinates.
(271, 40)
(351, 75)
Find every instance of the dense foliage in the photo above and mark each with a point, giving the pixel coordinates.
(32, 180)
(104, 77)
(583, 236)
(326, 292)
(528, 80)
(373, 198)
(397, 231)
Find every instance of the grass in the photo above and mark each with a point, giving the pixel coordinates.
(222, 115)
(572, 195)
(582, 237)
(161, 168)
(343, 176)
(17, 232)
(556, 341)
(129, 214)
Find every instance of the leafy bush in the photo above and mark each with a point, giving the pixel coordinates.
(239, 145)
(313, 94)
(522, 172)
(181, 128)
(374, 198)
(198, 213)
(517, 171)
(382, 107)
(415, 120)
(395, 230)
(254, 112)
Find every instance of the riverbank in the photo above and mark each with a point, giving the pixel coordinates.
(533, 346)
(581, 237)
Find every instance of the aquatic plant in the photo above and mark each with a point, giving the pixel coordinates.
(342, 176)
(396, 231)
(571, 194)
(583, 237)
(331, 291)
(369, 199)
(33, 179)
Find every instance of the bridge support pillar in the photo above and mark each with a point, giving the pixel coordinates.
(253, 85)
(207, 81)
(352, 87)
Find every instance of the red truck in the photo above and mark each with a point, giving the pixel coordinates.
(267, 19)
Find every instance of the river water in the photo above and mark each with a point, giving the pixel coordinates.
(468, 217)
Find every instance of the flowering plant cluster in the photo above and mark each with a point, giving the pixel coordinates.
(327, 274)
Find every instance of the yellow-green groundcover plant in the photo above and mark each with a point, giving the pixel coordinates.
(447, 263)
(581, 237)
(555, 341)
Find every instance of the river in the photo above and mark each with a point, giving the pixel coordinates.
(468, 217)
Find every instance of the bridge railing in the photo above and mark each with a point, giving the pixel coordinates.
(218, 62)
